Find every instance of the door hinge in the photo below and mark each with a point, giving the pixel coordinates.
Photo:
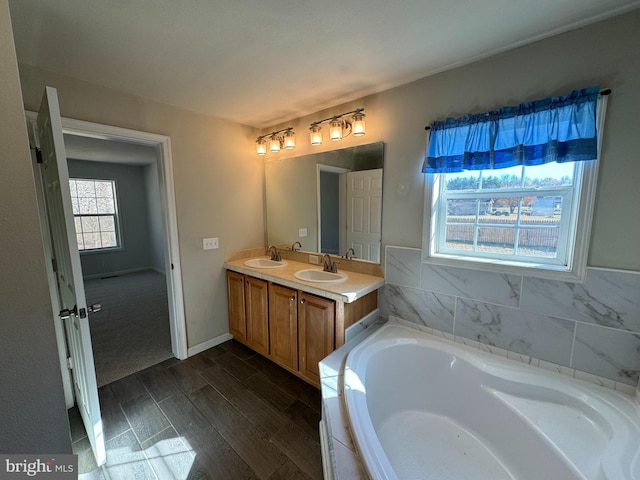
(39, 155)
(54, 265)
(172, 266)
(70, 363)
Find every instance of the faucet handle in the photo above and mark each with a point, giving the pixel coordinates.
(334, 266)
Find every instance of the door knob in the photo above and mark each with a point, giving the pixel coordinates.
(96, 307)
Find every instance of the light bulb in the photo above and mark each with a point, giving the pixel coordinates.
(274, 144)
(316, 135)
(358, 128)
(289, 140)
(335, 129)
(261, 146)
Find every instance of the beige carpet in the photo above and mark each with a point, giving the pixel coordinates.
(131, 332)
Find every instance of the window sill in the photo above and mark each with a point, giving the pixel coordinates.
(100, 250)
(550, 272)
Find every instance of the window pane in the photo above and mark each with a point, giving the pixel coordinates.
(538, 242)
(548, 175)
(78, 224)
(502, 178)
(72, 187)
(105, 205)
(107, 224)
(103, 189)
(80, 241)
(546, 207)
(90, 224)
(496, 240)
(108, 239)
(92, 240)
(87, 206)
(86, 188)
(503, 207)
(467, 207)
(460, 237)
(468, 180)
(75, 206)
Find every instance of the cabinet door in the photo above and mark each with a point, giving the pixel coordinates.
(283, 325)
(235, 299)
(316, 326)
(257, 314)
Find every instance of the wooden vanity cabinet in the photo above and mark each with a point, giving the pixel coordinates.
(316, 337)
(283, 325)
(248, 310)
(293, 328)
(236, 306)
(257, 313)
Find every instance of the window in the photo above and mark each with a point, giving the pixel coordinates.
(530, 214)
(95, 214)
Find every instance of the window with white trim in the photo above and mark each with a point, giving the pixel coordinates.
(519, 214)
(95, 212)
(522, 218)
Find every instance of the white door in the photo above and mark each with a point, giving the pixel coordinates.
(364, 213)
(68, 270)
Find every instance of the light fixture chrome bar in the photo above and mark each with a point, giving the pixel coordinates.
(340, 127)
(278, 139)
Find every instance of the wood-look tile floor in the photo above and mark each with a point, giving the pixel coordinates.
(226, 413)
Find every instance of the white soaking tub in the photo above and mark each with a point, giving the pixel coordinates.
(421, 407)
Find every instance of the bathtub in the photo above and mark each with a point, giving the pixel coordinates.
(421, 407)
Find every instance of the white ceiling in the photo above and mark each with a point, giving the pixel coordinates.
(264, 62)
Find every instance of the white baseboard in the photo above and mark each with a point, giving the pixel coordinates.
(159, 270)
(208, 344)
(118, 272)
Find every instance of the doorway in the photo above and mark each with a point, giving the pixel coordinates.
(115, 200)
(161, 166)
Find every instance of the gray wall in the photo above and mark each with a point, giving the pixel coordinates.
(133, 218)
(604, 53)
(33, 415)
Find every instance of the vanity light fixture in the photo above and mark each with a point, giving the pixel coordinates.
(278, 140)
(339, 126)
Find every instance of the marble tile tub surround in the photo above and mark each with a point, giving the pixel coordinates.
(589, 330)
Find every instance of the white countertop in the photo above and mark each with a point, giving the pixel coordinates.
(356, 285)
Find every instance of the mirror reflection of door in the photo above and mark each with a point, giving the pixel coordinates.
(331, 208)
(364, 213)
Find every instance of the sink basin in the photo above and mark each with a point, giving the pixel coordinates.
(320, 276)
(264, 263)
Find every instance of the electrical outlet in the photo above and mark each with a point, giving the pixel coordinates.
(302, 232)
(315, 259)
(210, 243)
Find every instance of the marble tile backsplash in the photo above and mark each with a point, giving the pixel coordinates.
(593, 327)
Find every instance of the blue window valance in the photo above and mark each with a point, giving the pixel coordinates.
(555, 129)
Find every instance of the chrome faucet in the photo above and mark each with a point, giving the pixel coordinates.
(351, 253)
(328, 265)
(275, 256)
(293, 247)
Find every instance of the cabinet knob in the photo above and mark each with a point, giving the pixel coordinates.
(302, 301)
(292, 299)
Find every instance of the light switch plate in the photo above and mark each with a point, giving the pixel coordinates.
(302, 232)
(210, 243)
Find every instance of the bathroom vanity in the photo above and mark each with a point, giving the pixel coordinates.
(294, 322)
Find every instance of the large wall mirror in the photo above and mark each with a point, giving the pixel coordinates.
(329, 201)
